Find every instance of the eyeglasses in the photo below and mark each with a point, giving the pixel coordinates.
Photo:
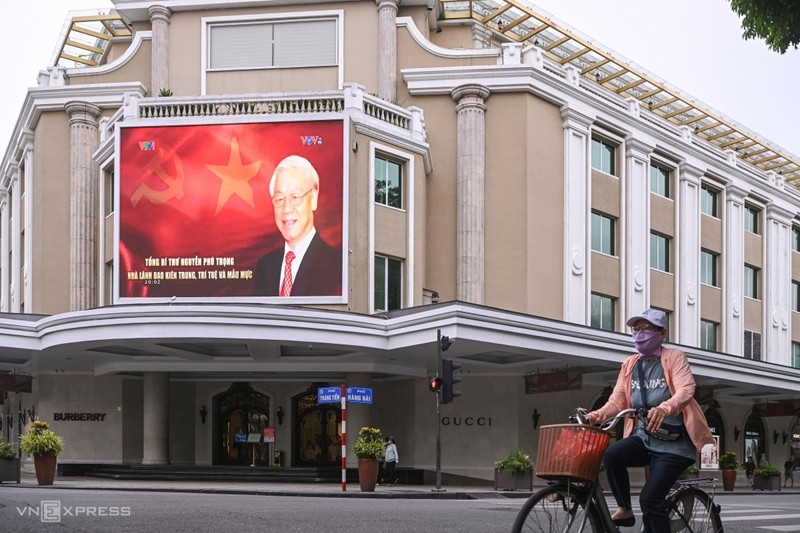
(293, 199)
(646, 327)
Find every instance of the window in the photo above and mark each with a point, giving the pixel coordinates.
(603, 156)
(708, 335)
(752, 345)
(602, 312)
(796, 296)
(302, 43)
(659, 252)
(659, 181)
(751, 282)
(708, 268)
(388, 182)
(751, 219)
(796, 238)
(602, 233)
(388, 283)
(796, 354)
(708, 201)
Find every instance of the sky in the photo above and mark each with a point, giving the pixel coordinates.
(694, 45)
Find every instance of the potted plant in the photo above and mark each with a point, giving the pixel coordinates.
(515, 471)
(44, 445)
(766, 477)
(728, 463)
(9, 462)
(690, 472)
(368, 448)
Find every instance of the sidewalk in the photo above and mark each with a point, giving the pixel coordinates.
(323, 490)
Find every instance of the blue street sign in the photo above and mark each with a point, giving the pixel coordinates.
(359, 395)
(329, 394)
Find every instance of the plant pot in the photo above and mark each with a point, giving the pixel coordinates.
(45, 466)
(9, 470)
(367, 474)
(766, 482)
(728, 479)
(513, 480)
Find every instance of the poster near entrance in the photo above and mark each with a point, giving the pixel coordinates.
(709, 455)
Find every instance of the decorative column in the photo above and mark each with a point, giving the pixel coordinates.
(387, 49)
(84, 139)
(155, 449)
(5, 249)
(26, 181)
(778, 285)
(637, 227)
(159, 58)
(733, 271)
(15, 263)
(470, 176)
(576, 214)
(687, 308)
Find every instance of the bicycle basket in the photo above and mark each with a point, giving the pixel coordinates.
(570, 450)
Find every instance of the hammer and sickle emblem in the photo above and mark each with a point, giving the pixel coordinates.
(174, 185)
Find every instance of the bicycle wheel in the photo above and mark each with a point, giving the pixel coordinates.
(560, 508)
(691, 510)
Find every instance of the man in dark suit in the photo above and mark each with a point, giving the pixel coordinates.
(305, 265)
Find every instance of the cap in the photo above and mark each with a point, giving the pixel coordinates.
(654, 316)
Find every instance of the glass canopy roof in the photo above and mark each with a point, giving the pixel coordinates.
(519, 21)
(85, 38)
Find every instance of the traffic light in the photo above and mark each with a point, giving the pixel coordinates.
(435, 384)
(448, 379)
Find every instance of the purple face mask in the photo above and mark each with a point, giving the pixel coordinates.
(648, 343)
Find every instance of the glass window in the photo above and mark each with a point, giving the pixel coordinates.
(602, 312)
(796, 354)
(752, 345)
(796, 296)
(796, 238)
(659, 252)
(751, 282)
(603, 156)
(602, 233)
(708, 201)
(751, 219)
(659, 181)
(388, 283)
(388, 182)
(302, 43)
(708, 268)
(708, 335)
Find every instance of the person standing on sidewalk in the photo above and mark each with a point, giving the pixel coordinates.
(390, 462)
(788, 472)
(749, 468)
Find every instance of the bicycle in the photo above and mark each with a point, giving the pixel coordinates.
(569, 457)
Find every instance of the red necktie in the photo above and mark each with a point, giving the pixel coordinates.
(286, 285)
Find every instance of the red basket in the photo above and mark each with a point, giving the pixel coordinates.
(570, 450)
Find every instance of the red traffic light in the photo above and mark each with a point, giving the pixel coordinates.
(435, 384)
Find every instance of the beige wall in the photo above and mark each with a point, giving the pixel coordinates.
(711, 303)
(753, 252)
(753, 314)
(662, 217)
(711, 234)
(662, 289)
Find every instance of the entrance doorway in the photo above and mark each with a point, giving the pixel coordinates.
(317, 438)
(241, 414)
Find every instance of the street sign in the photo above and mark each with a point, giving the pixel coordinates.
(329, 394)
(359, 395)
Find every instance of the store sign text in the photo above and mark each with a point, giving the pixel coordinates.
(79, 417)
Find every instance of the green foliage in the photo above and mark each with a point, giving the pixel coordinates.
(691, 470)
(40, 440)
(775, 21)
(766, 470)
(165, 92)
(7, 451)
(728, 461)
(516, 461)
(369, 444)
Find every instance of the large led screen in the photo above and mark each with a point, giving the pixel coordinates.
(198, 216)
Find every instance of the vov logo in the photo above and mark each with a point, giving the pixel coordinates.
(311, 140)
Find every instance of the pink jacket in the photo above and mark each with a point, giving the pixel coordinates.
(680, 381)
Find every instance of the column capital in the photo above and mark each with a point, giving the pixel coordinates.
(734, 193)
(574, 119)
(470, 90)
(690, 173)
(387, 4)
(637, 148)
(82, 113)
(779, 214)
(159, 13)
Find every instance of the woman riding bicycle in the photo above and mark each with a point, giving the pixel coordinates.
(659, 380)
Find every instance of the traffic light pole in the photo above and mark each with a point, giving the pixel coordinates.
(438, 415)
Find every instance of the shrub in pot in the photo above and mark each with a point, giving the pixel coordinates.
(766, 477)
(728, 462)
(368, 448)
(43, 445)
(9, 462)
(515, 471)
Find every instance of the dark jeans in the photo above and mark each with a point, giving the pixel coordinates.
(388, 472)
(665, 468)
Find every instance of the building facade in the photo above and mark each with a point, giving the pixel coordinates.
(484, 174)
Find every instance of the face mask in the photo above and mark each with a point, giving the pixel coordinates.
(648, 343)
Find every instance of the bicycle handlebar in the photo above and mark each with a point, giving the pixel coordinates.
(580, 416)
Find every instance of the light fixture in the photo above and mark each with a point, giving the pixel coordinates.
(736, 432)
(597, 75)
(279, 414)
(775, 436)
(785, 436)
(536, 415)
(203, 414)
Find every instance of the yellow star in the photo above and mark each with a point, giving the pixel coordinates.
(235, 177)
